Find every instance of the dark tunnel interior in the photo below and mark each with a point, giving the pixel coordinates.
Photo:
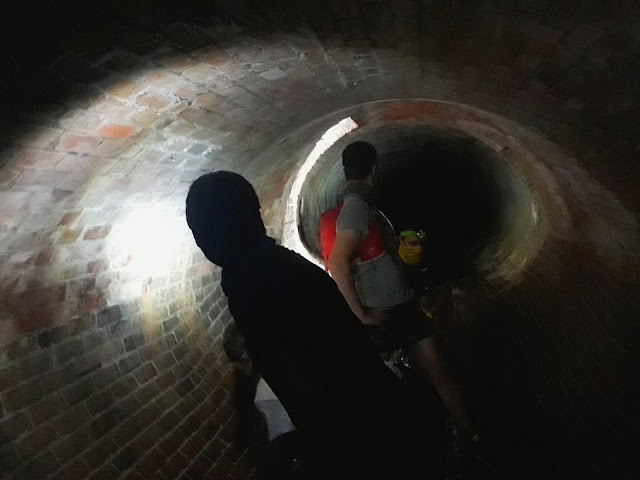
(447, 190)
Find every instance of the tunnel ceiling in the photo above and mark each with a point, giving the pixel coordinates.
(109, 112)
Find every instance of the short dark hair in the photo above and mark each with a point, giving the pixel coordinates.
(358, 160)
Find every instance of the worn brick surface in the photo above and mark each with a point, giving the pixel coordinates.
(125, 129)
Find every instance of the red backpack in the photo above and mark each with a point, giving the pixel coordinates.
(372, 245)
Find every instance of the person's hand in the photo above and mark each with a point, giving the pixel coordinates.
(375, 317)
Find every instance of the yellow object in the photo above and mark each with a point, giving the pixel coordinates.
(410, 254)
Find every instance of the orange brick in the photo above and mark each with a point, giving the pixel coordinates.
(45, 257)
(124, 90)
(78, 143)
(187, 93)
(178, 62)
(38, 158)
(115, 131)
(69, 218)
(97, 233)
(153, 101)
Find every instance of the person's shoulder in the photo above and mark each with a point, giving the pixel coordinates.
(353, 199)
(354, 203)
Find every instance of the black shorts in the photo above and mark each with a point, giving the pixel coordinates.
(406, 326)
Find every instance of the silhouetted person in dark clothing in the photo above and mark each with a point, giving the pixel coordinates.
(352, 418)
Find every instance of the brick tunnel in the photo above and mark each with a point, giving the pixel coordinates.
(111, 320)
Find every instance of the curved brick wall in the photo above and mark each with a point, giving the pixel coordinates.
(110, 319)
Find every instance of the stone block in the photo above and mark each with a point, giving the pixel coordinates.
(12, 201)
(71, 420)
(198, 467)
(168, 421)
(79, 391)
(111, 350)
(57, 379)
(70, 447)
(37, 441)
(184, 387)
(125, 432)
(175, 464)
(109, 315)
(106, 376)
(11, 428)
(201, 73)
(77, 143)
(125, 408)
(106, 472)
(77, 469)
(133, 341)
(170, 324)
(99, 452)
(166, 379)
(180, 351)
(9, 459)
(145, 373)
(129, 363)
(148, 415)
(97, 233)
(8, 378)
(38, 468)
(22, 396)
(150, 463)
(273, 74)
(86, 364)
(124, 386)
(47, 408)
(70, 349)
(147, 393)
(102, 425)
(100, 402)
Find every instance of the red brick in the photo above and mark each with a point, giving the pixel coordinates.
(97, 233)
(115, 131)
(78, 143)
(68, 219)
(123, 90)
(39, 179)
(112, 147)
(177, 62)
(187, 93)
(39, 159)
(96, 266)
(153, 101)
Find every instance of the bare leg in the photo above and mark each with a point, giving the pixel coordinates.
(429, 363)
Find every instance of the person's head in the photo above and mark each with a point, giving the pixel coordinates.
(359, 160)
(410, 246)
(223, 213)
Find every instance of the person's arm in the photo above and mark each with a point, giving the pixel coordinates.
(344, 251)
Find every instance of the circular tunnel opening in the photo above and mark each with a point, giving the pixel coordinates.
(479, 209)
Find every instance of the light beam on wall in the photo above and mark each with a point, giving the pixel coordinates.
(145, 244)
